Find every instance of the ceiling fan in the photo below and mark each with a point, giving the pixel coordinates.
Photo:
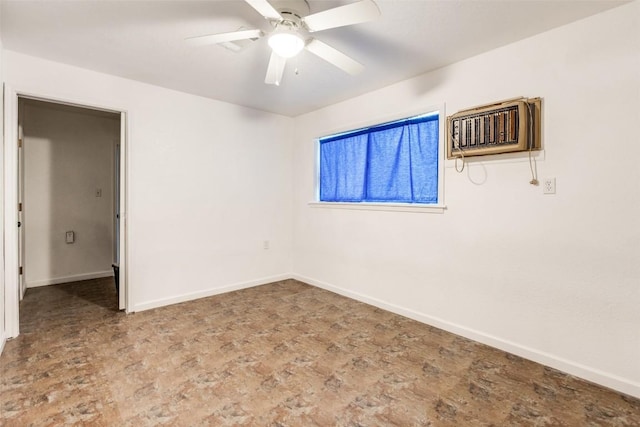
(291, 24)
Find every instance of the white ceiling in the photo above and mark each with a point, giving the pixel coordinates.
(144, 40)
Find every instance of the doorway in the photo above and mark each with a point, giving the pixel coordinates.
(69, 176)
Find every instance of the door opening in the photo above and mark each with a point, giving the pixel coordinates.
(64, 200)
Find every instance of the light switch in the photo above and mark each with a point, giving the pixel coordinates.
(70, 237)
(98, 192)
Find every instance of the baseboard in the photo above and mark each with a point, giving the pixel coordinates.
(3, 341)
(585, 372)
(148, 305)
(73, 278)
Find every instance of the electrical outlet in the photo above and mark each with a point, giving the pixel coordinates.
(549, 186)
(265, 244)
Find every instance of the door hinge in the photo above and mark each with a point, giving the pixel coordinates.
(19, 207)
(20, 143)
(20, 270)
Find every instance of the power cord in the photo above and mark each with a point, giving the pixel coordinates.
(456, 147)
(534, 177)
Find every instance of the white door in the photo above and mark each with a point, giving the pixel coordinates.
(21, 272)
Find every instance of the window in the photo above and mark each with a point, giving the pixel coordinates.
(394, 162)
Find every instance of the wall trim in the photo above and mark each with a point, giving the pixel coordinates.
(570, 367)
(73, 278)
(3, 341)
(148, 305)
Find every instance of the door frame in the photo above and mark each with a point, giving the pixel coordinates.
(10, 189)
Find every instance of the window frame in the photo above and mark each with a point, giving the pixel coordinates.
(438, 207)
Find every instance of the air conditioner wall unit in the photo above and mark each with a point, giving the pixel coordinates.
(503, 127)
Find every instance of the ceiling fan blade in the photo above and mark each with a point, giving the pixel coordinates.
(354, 13)
(275, 70)
(224, 37)
(265, 9)
(334, 56)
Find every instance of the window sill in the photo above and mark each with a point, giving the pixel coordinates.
(393, 207)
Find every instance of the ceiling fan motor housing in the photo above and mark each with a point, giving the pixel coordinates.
(292, 12)
(292, 8)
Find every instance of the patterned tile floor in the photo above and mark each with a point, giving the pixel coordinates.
(283, 354)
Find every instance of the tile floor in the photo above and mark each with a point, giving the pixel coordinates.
(283, 354)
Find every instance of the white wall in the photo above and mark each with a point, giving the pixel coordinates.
(68, 156)
(208, 182)
(554, 278)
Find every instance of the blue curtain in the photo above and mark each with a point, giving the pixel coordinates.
(394, 162)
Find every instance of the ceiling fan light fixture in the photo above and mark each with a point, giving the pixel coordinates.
(286, 43)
